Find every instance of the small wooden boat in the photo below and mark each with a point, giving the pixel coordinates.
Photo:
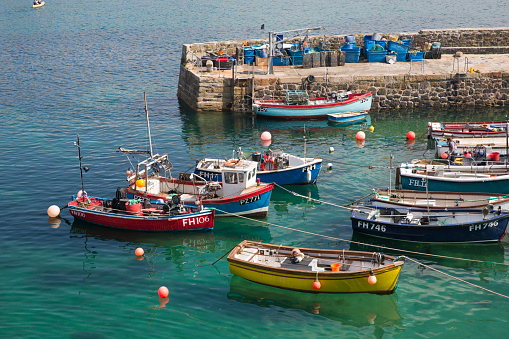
(348, 117)
(273, 166)
(298, 105)
(431, 225)
(423, 176)
(467, 129)
(137, 216)
(40, 4)
(437, 200)
(315, 270)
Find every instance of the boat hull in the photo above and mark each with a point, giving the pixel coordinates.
(484, 231)
(199, 221)
(297, 175)
(467, 129)
(302, 280)
(254, 203)
(357, 102)
(342, 119)
(38, 5)
(499, 184)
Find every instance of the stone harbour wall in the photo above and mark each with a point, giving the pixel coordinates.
(406, 91)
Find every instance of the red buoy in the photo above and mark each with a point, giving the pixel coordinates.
(163, 291)
(410, 135)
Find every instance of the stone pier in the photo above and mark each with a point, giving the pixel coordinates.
(478, 76)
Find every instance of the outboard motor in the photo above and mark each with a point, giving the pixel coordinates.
(256, 156)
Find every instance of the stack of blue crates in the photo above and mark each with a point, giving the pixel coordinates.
(400, 49)
(352, 53)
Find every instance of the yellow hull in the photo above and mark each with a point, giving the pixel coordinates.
(251, 261)
(331, 282)
(39, 5)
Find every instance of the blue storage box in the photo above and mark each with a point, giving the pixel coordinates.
(397, 47)
(282, 61)
(368, 45)
(376, 56)
(382, 43)
(349, 45)
(295, 56)
(406, 42)
(249, 55)
(349, 38)
(352, 54)
(401, 56)
(415, 56)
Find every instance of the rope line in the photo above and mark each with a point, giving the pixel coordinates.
(361, 243)
(459, 279)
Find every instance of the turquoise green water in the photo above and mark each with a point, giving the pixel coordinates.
(73, 68)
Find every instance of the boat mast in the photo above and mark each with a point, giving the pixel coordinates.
(81, 168)
(148, 126)
(305, 161)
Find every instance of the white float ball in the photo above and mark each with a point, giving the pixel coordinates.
(331, 149)
(266, 136)
(53, 211)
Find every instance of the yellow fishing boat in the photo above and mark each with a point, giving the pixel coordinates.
(315, 270)
(40, 4)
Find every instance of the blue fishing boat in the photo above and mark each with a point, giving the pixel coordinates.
(431, 176)
(432, 225)
(273, 166)
(348, 117)
(236, 193)
(298, 105)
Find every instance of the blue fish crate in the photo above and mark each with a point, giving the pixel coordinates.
(397, 47)
(406, 42)
(249, 55)
(368, 45)
(415, 56)
(401, 56)
(352, 54)
(382, 43)
(376, 56)
(349, 45)
(282, 61)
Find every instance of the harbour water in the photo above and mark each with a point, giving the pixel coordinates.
(71, 68)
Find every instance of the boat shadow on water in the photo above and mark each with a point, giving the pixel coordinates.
(359, 310)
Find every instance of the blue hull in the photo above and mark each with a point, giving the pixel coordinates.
(484, 231)
(492, 186)
(287, 176)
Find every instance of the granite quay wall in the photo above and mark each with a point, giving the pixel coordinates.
(404, 91)
(234, 90)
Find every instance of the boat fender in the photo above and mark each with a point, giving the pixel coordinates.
(274, 166)
(310, 78)
(232, 163)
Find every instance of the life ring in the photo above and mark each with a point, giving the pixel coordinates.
(232, 163)
(274, 166)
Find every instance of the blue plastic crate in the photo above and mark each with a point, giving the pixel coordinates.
(415, 56)
(401, 56)
(382, 43)
(368, 45)
(397, 47)
(376, 56)
(352, 54)
(349, 45)
(407, 42)
(282, 61)
(249, 55)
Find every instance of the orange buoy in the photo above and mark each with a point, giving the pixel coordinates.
(444, 155)
(317, 285)
(163, 291)
(371, 278)
(139, 252)
(410, 135)
(360, 135)
(266, 136)
(140, 182)
(53, 211)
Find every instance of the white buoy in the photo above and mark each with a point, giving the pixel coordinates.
(329, 167)
(331, 149)
(309, 176)
(53, 211)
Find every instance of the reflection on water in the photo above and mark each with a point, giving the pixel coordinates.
(201, 240)
(478, 256)
(359, 310)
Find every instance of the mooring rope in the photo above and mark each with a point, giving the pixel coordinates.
(453, 277)
(384, 247)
